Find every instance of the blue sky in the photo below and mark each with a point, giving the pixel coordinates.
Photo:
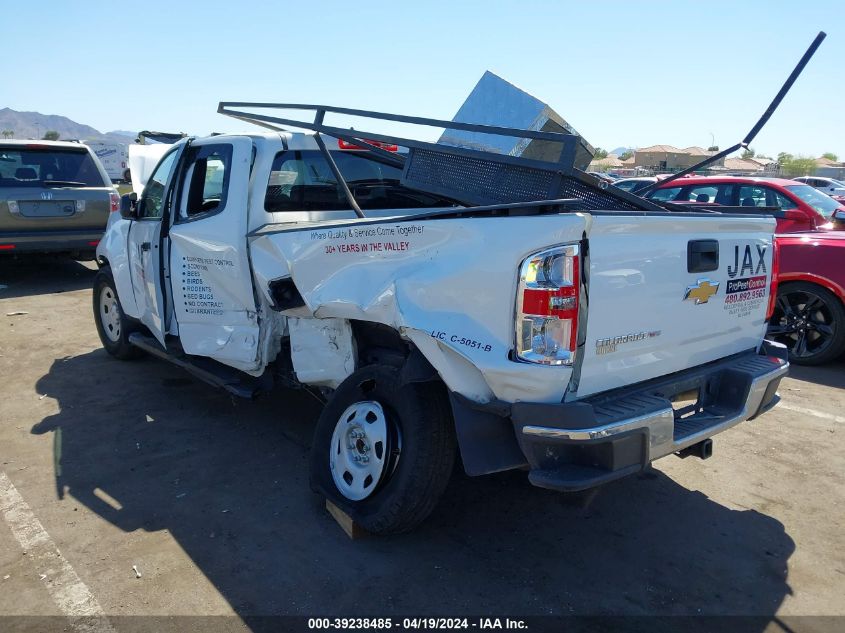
(623, 73)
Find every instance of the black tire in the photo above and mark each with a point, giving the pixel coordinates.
(419, 420)
(117, 344)
(810, 321)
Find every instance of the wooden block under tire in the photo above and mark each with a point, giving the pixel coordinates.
(352, 529)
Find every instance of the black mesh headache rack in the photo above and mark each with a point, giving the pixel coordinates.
(487, 180)
(475, 178)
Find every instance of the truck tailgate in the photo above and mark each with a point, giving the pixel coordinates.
(671, 292)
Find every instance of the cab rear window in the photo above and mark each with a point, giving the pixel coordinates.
(48, 166)
(303, 181)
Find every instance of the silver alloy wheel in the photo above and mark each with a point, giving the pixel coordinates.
(110, 314)
(359, 452)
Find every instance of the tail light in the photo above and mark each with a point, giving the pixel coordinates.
(114, 202)
(7, 247)
(773, 287)
(547, 306)
(388, 147)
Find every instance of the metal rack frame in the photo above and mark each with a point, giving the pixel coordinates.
(554, 173)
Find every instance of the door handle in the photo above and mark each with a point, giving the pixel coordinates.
(145, 246)
(702, 256)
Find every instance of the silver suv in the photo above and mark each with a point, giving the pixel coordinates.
(54, 197)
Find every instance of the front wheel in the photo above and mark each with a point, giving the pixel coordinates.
(383, 451)
(113, 326)
(810, 321)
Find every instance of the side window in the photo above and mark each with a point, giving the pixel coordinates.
(665, 195)
(154, 191)
(752, 196)
(303, 181)
(207, 170)
(702, 193)
(782, 201)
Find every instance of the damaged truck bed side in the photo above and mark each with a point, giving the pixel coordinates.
(442, 299)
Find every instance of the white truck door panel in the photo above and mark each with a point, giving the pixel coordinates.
(211, 283)
(144, 245)
(648, 316)
(144, 265)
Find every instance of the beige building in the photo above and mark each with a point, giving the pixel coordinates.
(666, 158)
(743, 167)
(611, 161)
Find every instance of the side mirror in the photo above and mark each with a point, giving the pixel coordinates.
(129, 206)
(839, 215)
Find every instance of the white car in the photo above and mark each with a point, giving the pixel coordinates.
(832, 187)
(579, 339)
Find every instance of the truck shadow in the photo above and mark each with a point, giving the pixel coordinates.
(830, 375)
(147, 448)
(28, 275)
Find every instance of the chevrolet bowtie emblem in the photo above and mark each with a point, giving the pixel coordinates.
(701, 291)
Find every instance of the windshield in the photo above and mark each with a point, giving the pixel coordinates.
(815, 198)
(48, 166)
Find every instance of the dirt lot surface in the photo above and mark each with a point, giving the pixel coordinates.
(122, 464)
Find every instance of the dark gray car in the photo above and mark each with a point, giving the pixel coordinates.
(54, 197)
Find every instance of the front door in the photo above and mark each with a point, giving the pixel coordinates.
(145, 260)
(210, 276)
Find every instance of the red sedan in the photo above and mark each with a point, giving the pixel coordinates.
(809, 314)
(802, 208)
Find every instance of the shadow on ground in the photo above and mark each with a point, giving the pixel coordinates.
(27, 275)
(229, 480)
(829, 374)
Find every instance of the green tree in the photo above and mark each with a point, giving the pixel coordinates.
(51, 135)
(831, 156)
(749, 153)
(600, 153)
(713, 148)
(784, 157)
(8, 133)
(626, 155)
(798, 166)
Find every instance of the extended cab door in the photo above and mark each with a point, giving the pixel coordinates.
(144, 248)
(211, 283)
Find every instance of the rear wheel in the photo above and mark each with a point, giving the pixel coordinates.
(810, 321)
(383, 450)
(113, 326)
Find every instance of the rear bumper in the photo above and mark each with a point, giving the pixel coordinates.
(49, 241)
(575, 446)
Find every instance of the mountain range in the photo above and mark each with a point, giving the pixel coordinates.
(33, 125)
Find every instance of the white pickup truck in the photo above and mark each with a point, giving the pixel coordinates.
(578, 338)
